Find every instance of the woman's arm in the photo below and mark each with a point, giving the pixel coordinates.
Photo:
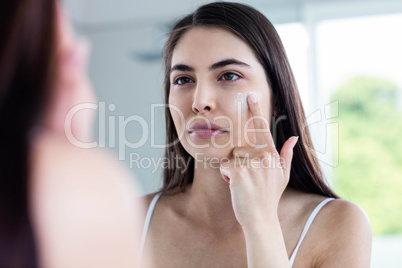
(265, 246)
(257, 177)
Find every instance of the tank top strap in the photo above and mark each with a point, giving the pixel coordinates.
(148, 217)
(307, 226)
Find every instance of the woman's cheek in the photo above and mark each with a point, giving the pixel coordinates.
(177, 113)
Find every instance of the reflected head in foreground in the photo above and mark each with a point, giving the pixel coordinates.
(60, 206)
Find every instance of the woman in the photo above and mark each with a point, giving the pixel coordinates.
(245, 198)
(60, 206)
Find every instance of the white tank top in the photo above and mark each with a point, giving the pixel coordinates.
(292, 258)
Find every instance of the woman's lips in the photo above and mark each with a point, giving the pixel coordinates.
(206, 131)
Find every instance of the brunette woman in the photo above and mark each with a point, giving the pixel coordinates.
(246, 200)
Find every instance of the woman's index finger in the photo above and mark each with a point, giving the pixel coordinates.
(261, 124)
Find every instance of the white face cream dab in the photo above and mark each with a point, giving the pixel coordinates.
(241, 101)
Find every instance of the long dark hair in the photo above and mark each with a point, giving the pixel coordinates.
(255, 29)
(27, 50)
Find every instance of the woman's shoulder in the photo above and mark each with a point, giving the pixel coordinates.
(339, 216)
(147, 199)
(81, 195)
(165, 198)
(163, 204)
(344, 218)
(348, 235)
(345, 210)
(341, 234)
(340, 209)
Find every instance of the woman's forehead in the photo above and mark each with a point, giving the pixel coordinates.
(202, 45)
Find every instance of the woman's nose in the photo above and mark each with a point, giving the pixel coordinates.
(204, 100)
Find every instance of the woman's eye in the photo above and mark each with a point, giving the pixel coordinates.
(230, 76)
(182, 81)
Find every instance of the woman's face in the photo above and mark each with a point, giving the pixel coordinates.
(212, 72)
(72, 86)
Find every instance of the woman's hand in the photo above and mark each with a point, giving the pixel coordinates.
(257, 177)
(258, 174)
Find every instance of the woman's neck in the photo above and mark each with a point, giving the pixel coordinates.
(209, 196)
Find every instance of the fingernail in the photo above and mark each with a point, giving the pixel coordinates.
(253, 98)
(294, 140)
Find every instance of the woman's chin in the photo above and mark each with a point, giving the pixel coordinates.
(212, 155)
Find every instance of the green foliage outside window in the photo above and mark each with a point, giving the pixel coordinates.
(370, 149)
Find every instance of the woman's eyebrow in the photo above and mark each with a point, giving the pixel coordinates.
(182, 67)
(223, 63)
(217, 65)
